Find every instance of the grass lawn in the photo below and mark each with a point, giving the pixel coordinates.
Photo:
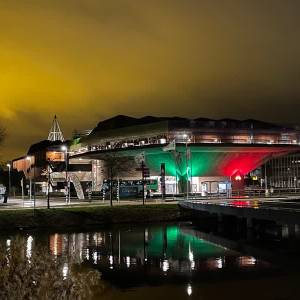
(87, 216)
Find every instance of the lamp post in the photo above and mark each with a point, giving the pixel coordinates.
(187, 165)
(9, 179)
(30, 179)
(48, 184)
(29, 158)
(64, 148)
(266, 182)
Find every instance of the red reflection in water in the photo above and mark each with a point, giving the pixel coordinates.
(240, 203)
(244, 203)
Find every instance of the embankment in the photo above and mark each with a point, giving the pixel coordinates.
(85, 217)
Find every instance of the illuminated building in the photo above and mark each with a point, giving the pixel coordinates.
(49, 158)
(200, 155)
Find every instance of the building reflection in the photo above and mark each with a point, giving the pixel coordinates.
(156, 250)
(56, 244)
(189, 290)
(139, 255)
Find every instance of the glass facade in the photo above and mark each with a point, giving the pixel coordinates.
(284, 172)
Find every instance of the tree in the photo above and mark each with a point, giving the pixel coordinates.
(15, 177)
(114, 167)
(2, 135)
(3, 175)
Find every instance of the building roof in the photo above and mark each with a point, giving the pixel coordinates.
(43, 145)
(122, 121)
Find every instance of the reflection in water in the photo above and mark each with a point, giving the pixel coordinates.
(56, 244)
(140, 255)
(246, 261)
(29, 271)
(165, 265)
(189, 290)
(29, 247)
(124, 257)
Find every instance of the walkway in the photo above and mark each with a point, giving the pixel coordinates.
(18, 203)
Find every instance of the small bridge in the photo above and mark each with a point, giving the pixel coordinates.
(282, 211)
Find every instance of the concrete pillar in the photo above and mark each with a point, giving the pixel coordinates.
(284, 231)
(289, 231)
(250, 229)
(292, 230)
(297, 231)
(220, 218)
(97, 175)
(249, 222)
(182, 184)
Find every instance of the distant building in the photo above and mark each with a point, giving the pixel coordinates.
(50, 158)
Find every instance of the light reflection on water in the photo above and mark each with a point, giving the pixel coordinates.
(138, 256)
(168, 248)
(162, 249)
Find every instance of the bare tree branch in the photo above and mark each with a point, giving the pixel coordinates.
(115, 167)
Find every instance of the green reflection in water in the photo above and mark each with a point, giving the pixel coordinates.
(169, 241)
(177, 244)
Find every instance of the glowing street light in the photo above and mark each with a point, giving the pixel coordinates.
(64, 148)
(9, 178)
(29, 158)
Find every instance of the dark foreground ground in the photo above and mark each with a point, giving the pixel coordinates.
(86, 217)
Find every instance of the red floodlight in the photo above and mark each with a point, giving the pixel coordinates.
(238, 177)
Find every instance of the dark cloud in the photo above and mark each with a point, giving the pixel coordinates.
(86, 60)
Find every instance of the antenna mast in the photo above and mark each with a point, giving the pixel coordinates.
(55, 133)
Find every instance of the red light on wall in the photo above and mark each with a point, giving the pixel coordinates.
(238, 177)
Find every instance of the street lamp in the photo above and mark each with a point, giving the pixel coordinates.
(48, 183)
(29, 158)
(64, 148)
(187, 158)
(9, 179)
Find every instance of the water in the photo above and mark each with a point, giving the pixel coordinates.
(164, 261)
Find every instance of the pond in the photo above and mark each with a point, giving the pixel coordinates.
(159, 261)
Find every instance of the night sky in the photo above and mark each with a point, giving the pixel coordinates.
(87, 60)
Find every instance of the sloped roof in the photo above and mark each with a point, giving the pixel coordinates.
(43, 145)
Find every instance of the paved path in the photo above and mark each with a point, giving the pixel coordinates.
(18, 203)
(292, 202)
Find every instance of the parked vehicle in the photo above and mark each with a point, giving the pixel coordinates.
(3, 195)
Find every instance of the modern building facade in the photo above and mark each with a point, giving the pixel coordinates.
(199, 156)
(283, 172)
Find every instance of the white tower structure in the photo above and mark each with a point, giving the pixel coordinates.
(55, 133)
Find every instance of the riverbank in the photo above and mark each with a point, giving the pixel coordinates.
(86, 216)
